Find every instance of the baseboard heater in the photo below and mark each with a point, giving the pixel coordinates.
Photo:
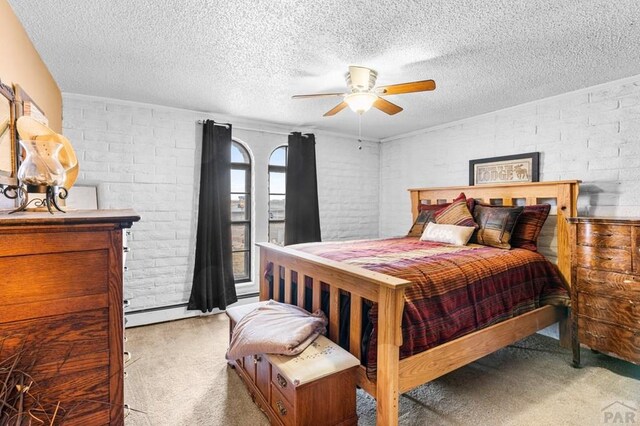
(158, 314)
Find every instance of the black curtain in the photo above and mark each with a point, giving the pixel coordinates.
(302, 218)
(213, 283)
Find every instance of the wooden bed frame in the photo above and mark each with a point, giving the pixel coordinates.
(395, 376)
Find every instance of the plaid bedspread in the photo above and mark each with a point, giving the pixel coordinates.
(457, 290)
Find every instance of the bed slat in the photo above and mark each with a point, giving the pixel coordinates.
(334, 313)
(264, 285)
(316, 294)
(276, 282)
(356, 325)
(301, 289)
(287, 286)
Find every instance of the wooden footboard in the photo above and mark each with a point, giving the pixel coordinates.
(361, 285)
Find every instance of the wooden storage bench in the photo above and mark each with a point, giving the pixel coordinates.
(316, 387)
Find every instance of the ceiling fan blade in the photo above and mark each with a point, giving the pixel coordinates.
(317, 95)
(336, 109)
(386, 106)
(415, 86)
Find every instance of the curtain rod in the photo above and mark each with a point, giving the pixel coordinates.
(250, 129)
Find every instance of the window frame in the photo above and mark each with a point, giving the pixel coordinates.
(277, 169)
(246, 167)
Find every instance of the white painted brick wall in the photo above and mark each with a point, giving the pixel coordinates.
(147, 157)
(592, 135)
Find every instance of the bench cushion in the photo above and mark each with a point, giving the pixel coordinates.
(320, 359)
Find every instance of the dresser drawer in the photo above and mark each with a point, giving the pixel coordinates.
(55, 276)
(283, 384)
(609, 338)
(600, 235)
(281, 407)
(610, 284)
(619, 311)
(611, 259)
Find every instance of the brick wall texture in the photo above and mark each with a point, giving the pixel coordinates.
(591, 135)
(147, 158)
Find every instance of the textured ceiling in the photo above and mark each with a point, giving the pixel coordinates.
(247, 58)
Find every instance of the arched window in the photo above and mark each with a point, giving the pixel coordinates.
(241, 212)
(277, 190)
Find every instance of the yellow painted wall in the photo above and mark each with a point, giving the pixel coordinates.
(20, 63)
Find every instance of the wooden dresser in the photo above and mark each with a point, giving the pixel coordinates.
(605, 296)
(61, 305)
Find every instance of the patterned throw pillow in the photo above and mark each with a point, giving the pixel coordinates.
(496, 225)
(457, 213)
(425, 215)
(525, 234)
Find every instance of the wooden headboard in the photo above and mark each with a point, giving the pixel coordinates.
(564, 194)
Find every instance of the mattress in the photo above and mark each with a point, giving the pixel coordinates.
(456, 289)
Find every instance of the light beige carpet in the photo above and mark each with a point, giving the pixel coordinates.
(178, 376)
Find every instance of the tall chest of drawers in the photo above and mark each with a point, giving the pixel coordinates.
(61, 307)
(605, 295)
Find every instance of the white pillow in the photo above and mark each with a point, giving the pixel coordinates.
(450, 234)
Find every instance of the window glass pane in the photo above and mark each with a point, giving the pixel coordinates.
(240, 207)
(240, 237)
(279, 157)
(238, 153)
(276, 232)
(238, 180)
(276, 207)
(277, 183)
(240, 264)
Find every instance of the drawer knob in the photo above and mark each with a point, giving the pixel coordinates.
(127, 356)
(256, 359)
(125, 249)
(281, 408)
(603, 257)
(281, 381)
(126, 303)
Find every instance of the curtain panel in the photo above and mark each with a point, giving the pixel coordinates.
(302, 216)
(213, 282)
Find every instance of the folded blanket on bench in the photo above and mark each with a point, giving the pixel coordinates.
(275, 328)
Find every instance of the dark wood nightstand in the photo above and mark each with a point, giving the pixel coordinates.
(605, 295)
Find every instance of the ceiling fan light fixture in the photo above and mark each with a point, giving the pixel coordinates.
(360, 102)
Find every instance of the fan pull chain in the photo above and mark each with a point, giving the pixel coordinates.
(360, 132)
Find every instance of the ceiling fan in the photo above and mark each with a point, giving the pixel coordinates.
(363, 94)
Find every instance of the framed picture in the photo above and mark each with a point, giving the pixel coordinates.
(506, 169)
(8, 141)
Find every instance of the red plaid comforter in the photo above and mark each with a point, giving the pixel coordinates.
(457, 290)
